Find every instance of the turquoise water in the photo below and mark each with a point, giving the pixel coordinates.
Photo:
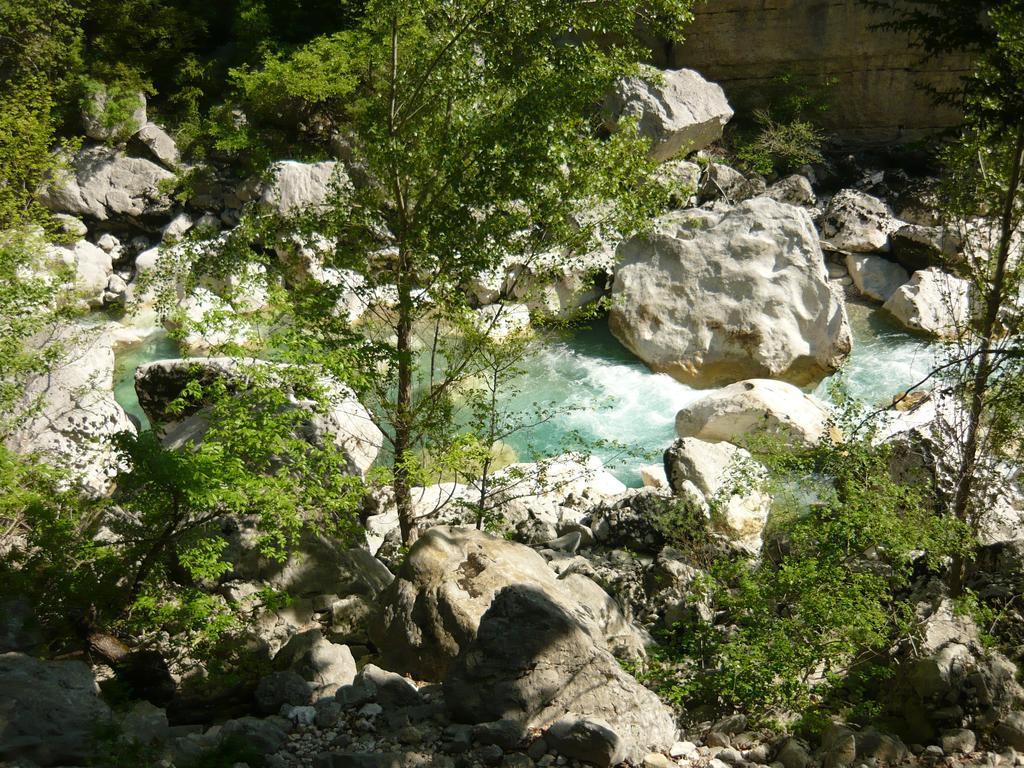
(610, 404)
(886, 358)
(603, 399)
(157, 346)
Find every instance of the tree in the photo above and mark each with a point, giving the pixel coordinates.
(984, 202)
(149, 559)
(474, 137)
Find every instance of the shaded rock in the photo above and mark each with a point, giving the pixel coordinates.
(325, 664)
(855, 221)
(793, 754)
(590, 740)
(758, 406)
(265, 736)
(280, 688)
(105, 184)
(793, 190)
(918, 247)
(1011, 729)
(145, 724)
(933, 302)
(677, 110)
(507, 734)
(345, 422)
(432, 610)
(723, 182)
(533, 661)
(387, 688)
(320, 565)
(49, 710)
(714, 298)
(875, 277)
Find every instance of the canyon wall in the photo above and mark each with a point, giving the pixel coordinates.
(876, 93)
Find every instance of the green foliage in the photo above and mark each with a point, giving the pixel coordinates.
(804, 626)
(681, 522)
(113, 106)
(779, 147)
(147, 561)
(473, 125)
(781, 133)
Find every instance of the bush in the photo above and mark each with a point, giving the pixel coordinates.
(779, 147)
(781, 134)
(809, 626)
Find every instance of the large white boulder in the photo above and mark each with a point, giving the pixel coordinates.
(78, 415)
(875, 277)
(296, 186)
(728, 479)
(717, 297)
(746, 409)
(104, 183)
(92, 268)
(160, 145)
(678, 110)
(933, 302)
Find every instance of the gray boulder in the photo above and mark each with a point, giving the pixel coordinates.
(49, 710)
(592, 741)
(1011, 729)
(677, 110)
(533, 662)
(388, 689)
(915, 246)
(855, 221)
(266, 736)
(326, 665)
(296, 186)
(280, 688)
(433, 609)
(345, 422)
(105, 184)
(78, 416)
(716, 297)
(159, 144)
(793, 190)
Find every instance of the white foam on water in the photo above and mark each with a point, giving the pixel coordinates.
(886, 359)
(601, 393)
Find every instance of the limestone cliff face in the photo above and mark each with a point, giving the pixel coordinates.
(877, 94)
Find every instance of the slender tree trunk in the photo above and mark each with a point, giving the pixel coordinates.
(983, 373)
(492, 430)
(403, 406)
(403, 423)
